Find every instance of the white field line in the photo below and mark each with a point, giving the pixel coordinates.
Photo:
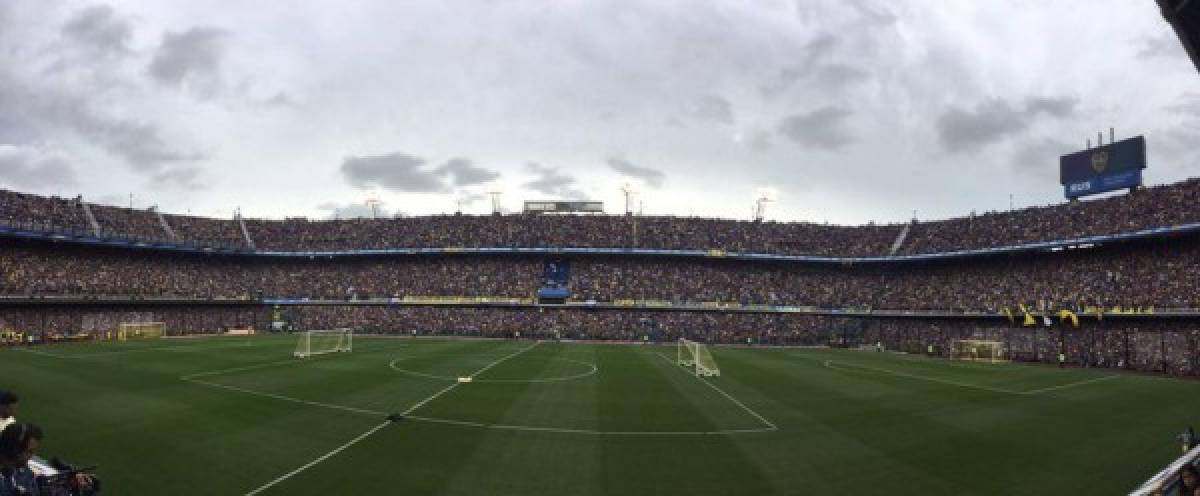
(593, 369)
(320, 459)
(770, 425)
(833, 365)
(373, 430)
(1071, 384)
(477, 372)
(287, 398)
(586, 432)
(240, 369)
(181, 348)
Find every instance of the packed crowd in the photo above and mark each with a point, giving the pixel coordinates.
(1150, 345)
(1162, 346)
(83, 271)
(179, 319)
(1147, 274)
(1157, 206)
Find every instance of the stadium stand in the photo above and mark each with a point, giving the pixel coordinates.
(1138, 299)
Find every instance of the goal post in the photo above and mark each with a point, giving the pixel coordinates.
(980, 350)
(324, 341)
(697, 357)
(140, 330)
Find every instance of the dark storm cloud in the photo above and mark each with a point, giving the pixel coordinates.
(99, 28)
(713, 108)
(398, 172)
(823, 128)
(652, 177)
(962, 129)
(26, 169)
(551, 182)
(191, 59)
(464, 172)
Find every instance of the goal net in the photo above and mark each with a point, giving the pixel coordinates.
(324, 341)
(976, 350)
(696, 356)
(140, 330)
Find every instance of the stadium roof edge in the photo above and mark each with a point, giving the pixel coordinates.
(1184, 18)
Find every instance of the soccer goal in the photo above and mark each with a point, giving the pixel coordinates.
(977, 350)
(324, 341)
(696, 356)
(140, 330)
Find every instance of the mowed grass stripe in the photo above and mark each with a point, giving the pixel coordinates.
(409, 441)
(150, 431)
(841, 431)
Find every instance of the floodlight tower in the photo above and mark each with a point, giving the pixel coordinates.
(765, 196)
(495, 202)
(629, 192)
(373, 203)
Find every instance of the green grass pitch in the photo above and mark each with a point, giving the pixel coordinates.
(239, 415)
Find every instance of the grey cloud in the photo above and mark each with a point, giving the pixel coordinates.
(962, 129)
(993, 120)
(1187, 104)
(822, 128)
(1040, 157)
(472, 198)
(281, 99)
(465, 173)
(834, 75)
(1057, 107)
(179, 177)
(815, 68)
(354, 210)
(26, 169)
(394, 171)
(713, 108)
(1163, 45)
(99, 28)
(139, 144)
(191, 58)
(653, 177)
(760, 140)
(551, 182)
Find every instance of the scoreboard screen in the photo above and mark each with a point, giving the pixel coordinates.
(1110, 167)
(559, 207)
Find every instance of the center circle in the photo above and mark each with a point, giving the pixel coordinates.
(592, 369)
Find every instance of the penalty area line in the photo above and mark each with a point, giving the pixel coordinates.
(770, 425)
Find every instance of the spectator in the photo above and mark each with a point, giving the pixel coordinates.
(8, 409)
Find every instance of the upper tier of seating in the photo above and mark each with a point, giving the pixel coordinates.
(1158, 206)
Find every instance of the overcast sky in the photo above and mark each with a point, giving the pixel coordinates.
(848, 111)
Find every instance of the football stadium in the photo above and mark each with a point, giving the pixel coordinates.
(567, 346)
